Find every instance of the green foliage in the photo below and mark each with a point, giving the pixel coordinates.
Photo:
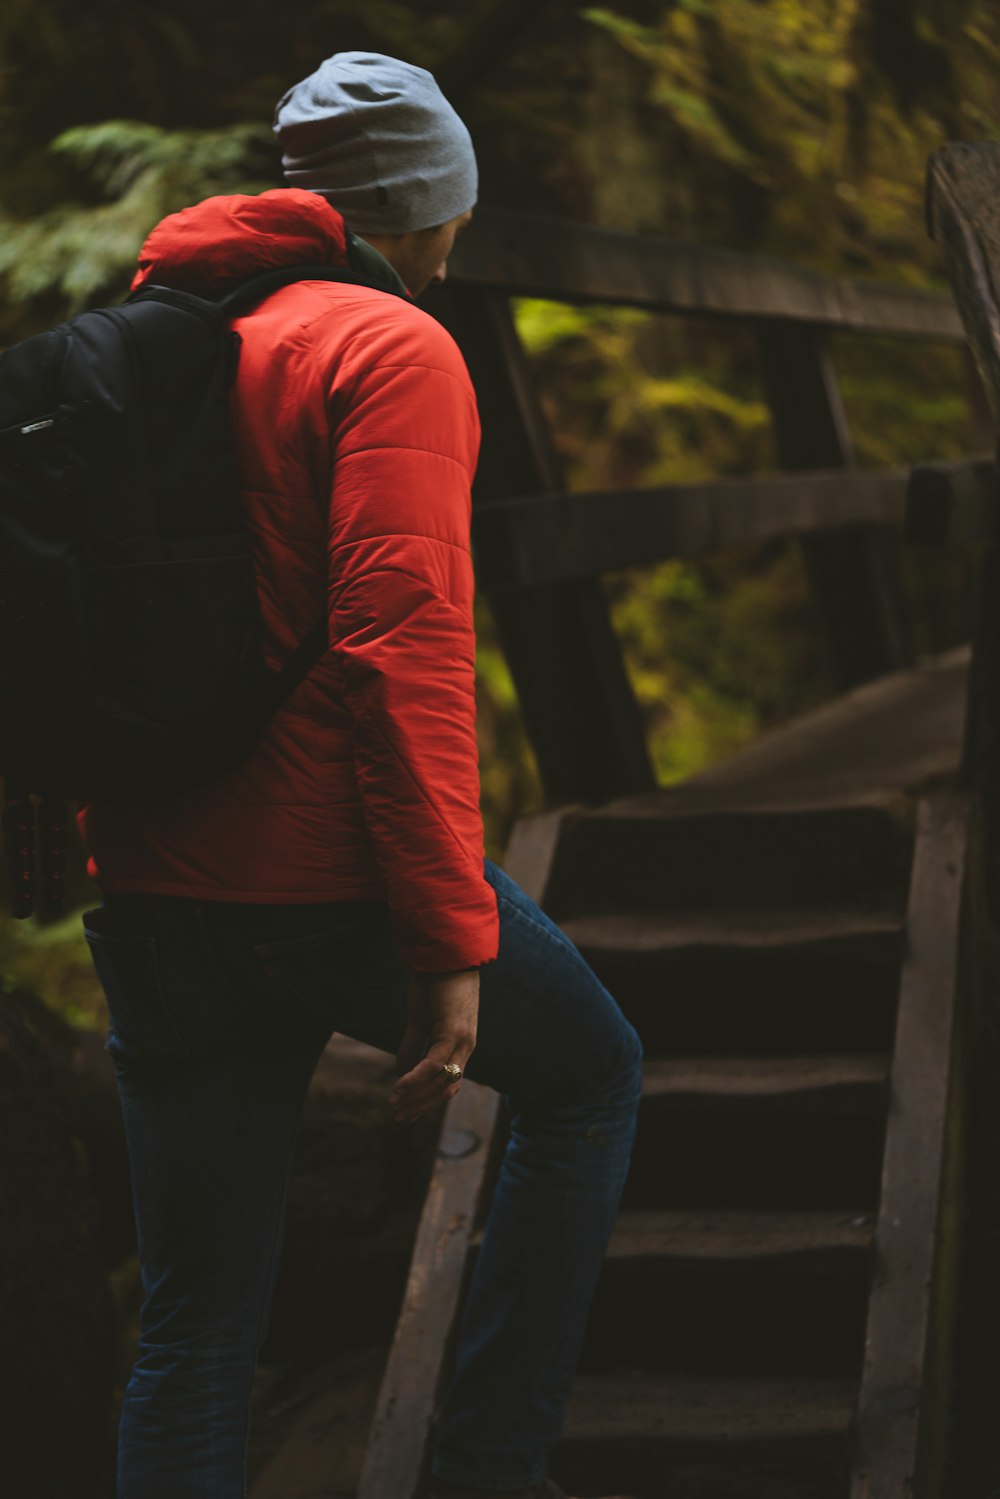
(791, 103)
(682, 84)
(82, 252)
(904, 402)
(52, 960)
(639, 398)
(717, 652)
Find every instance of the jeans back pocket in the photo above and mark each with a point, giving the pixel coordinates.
(141, 1026)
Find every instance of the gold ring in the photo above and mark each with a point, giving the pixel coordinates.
(452, 1071)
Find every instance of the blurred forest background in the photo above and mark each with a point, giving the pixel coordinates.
(793, 128)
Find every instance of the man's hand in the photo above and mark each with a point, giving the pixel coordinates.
(442, 1010)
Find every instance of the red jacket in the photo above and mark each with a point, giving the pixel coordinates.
(357, 433)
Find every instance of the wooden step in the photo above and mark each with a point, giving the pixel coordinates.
(650, 1435)
(760, 1132)
(795, 1243)
(733, 1293)
(821, 1084)
(691, 1412)
(645, 854)
(750, 982)
(663, 936)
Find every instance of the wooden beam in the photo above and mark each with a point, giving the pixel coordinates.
(394, 1461)
(554, 538)
(981, 750)
(531, 852)
(579, 709)
(854, 575)
(460, 1184)
(902, 1406)
(527, 256)
(963, 219)
(953, 504)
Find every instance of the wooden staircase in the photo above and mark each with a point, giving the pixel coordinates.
(790, 935)
(765, 952)
(727, 1335)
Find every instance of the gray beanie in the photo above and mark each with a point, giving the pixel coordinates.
(379, 139)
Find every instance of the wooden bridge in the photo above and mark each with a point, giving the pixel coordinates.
(802, 936)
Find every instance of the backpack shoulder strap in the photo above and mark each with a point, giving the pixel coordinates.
(248, 294)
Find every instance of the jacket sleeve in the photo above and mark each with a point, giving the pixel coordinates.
(400, 589)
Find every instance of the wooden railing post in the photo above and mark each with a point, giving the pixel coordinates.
(853, 574)
(902, 1409)
(982, 729)
(579, 709)
(962, 185)
(958, 505)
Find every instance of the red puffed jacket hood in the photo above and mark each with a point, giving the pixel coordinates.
(223, 241)
(357, 435)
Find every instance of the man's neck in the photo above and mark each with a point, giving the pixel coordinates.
(371, 263)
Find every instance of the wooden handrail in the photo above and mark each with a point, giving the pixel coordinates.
(539, 561)
(902, 1408)
(962, 183)
(553, 538)
(411, 1384)
(536, 540)
(527, 256)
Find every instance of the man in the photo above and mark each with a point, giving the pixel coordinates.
(336, 880)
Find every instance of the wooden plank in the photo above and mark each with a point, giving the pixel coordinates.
(396, 1450)
(963, 218)
(789, 1240)
(980, 415)
(953, 504)
(635, 1432)
(795, 1241)
(580, 712)
(821, 934)
(854, 574)
(542, 539)
(527, 256)
(532, 849)
(836, 1084)
(460, 1181)
(981, 749)
(693, 1410)
(899, 1408)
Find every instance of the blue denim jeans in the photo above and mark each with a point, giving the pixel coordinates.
(218, 1015)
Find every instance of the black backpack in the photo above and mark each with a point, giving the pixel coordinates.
(130, 635)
